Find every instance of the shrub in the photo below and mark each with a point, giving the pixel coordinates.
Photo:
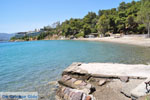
(79, 35)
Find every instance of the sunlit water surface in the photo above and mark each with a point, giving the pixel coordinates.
(30, 66)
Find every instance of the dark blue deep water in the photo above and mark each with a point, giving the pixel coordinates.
(29, 66)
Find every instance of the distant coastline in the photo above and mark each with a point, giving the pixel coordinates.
(138, 40)
(126, 19)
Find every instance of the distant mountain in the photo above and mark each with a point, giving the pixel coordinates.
(5, 36)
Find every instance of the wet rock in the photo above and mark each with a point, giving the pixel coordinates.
(102, 82)
(124, 78)
(52, 83)
(53, 89)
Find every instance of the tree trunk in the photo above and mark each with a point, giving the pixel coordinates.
(148, 29)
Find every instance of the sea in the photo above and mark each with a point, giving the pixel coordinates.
(35, 66)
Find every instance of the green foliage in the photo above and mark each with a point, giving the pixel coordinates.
(86, 29)
(71, 27)
(26, 38)
(144, 14)
(88, 19)
(147, 98)
(79, 35)
(141, 28)
(128, 18)
(122, 6)
(89, 23)
(44, 34)
(103, 24)
(13, 38)
(47, 28)
(121, 20)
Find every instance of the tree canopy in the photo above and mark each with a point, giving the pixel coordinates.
(144, 14)
(128, 18)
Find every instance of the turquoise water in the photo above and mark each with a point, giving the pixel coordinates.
(28, 66)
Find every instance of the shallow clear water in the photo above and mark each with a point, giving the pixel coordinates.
(28, 66)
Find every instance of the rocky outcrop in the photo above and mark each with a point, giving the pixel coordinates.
(74, 89)
(65, 93)
(75, 86)
(99, 81)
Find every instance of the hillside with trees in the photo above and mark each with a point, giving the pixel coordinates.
(128, 18)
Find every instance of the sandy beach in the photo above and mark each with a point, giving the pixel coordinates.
(127, 39)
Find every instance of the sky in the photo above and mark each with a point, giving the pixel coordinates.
(26, 15)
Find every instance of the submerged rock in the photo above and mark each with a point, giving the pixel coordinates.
(52, 83)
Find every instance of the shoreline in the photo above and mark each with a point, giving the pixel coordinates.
(131, 40)
(138, 40)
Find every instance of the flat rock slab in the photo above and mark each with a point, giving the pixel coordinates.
(110, 70)
(140, 90)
